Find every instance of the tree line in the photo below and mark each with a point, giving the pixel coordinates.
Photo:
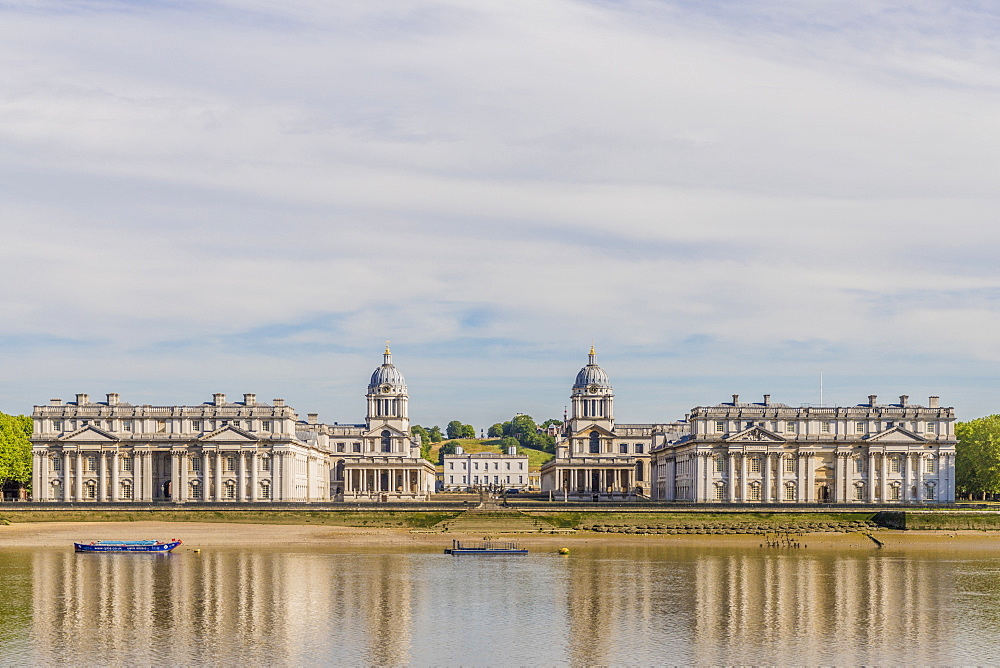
(15, 451)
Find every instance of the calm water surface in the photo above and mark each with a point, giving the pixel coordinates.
(599, 606)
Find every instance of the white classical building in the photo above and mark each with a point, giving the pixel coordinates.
(769, 452)
(222, 451)
(595, 457)
(463, 470)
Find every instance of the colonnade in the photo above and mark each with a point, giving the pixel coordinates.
(385, 480)
(791, 477)
(590, 480)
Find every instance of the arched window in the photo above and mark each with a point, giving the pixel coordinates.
(230, 489)
(386, 441)
(595, 442)
(640, 474)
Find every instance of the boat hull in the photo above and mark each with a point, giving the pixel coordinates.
(125, 547)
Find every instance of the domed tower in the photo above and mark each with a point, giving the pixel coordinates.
(387, 398)
(592, 398)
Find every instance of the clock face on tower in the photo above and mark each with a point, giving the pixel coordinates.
(385, 389)
(593, 389)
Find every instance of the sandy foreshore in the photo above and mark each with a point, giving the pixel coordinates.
(198, 535)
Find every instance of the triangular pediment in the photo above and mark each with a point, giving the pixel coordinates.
(585, 432)
(895, 435)
(89, 434)
(376, 431)
(755, 434)
(229, 434)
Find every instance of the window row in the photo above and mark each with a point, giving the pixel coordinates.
(827, 426)
(163, 426)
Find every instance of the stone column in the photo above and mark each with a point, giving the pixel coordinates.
(288, 476)
(309, 478)
(241, 476)
(871, 477)
(175, 474)
(115, 467)
(766, 481)
(951, 478)
(102, 476)
(696, 487)
(907, 478)
(182, 485)
(254, 492)
(848, 478)
(838, 476)
(884, 480)
(206, 476)
(79, 476)
(810, 479)
(217, 472)
(744, 477)
(36, 475)
(779, 473)
(147, 474)
(41, 493)
(918, 479)
(66, 476)
(731, 478)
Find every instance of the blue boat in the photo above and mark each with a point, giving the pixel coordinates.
(484, 547)
(128, 545)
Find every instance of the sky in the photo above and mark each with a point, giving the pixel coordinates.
(724, 197)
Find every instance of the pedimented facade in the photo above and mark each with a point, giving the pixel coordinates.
(222, 451)
(769, 452)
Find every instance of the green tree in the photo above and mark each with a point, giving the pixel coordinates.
(15, 450)
(977, 456)
(436, 435)
(447, 448)
(507, 442)
(468, 431)
(425, 436)
(454, 429)
(496, 430)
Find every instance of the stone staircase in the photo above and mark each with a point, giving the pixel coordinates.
(487, 521)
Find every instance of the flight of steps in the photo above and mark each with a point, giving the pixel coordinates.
(486, 521)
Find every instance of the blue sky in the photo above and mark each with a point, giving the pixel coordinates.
(726, 197)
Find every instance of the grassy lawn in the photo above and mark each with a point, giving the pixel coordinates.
(328, 518)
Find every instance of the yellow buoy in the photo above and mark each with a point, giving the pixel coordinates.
(563, 550)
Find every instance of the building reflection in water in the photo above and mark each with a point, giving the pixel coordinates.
(219, 607)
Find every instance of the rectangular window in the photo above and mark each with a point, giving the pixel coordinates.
(496, 480)
(859, 427)
(824, 427)
(196, 464)
(720, 465)
(161, 426)
(894, 493)
(720, 492)
(196, 425)
(340, 447)
(126, 464)
(638, 448)
(520, 466)
(91, 463)
(859, 493)
(126, 491)
(231, 463)
(894, 465)
(451, 479)
(755, 466)
(127, 425)
(755, 492)
(508, 466)
(265, 463)
(789, 465)
(859, 465)
(929, 465)
(265, 491)
(265, 425)
(931, 428)
(623, 448)
(789, 493)
(720, 426)
(196, 491)
(57, 463)
(237, 424)
(356, 447)
(57, 425)
(789, 427)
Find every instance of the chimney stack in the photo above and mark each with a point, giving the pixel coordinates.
(113, 398)
(903, 400)
(736, 399)
(55, 402)
(250, 399)
(82, 399)
(278, 403)
(219, 398)
(934, 402)
(313, 418)
(767, 399)
(872, 398)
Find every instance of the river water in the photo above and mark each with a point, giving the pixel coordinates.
(609, 605)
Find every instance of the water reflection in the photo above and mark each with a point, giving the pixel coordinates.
(601, 606)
